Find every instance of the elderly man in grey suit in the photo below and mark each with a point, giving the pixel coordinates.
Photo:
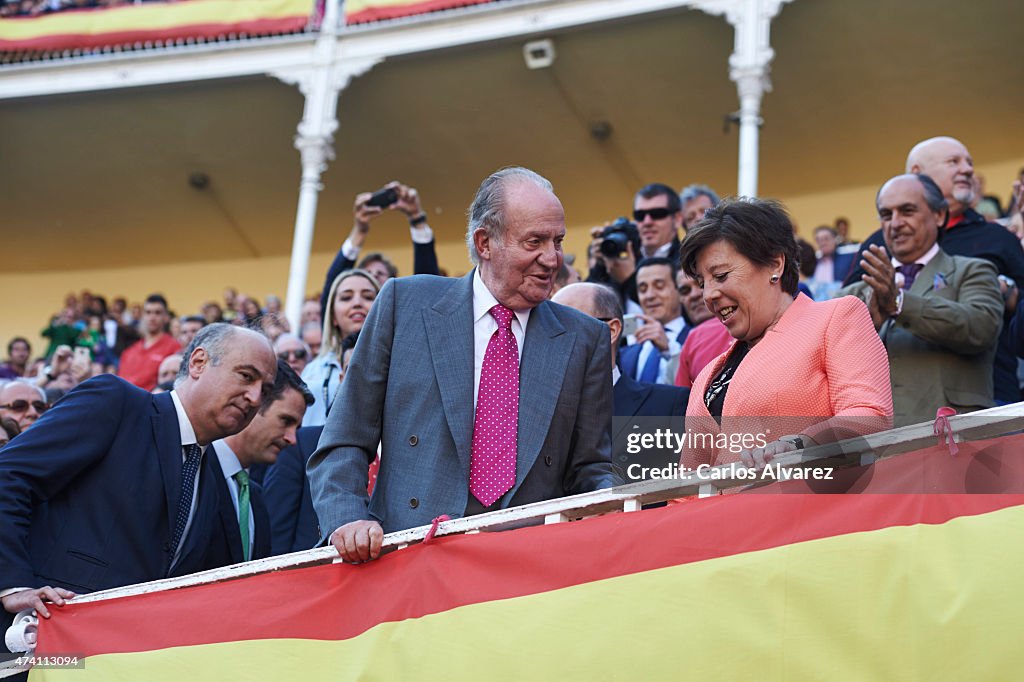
(938, 315)
(481, 392)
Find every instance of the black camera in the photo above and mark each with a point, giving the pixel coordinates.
(383, 197)
(617, 235)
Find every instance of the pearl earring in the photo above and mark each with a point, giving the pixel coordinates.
(774, 279)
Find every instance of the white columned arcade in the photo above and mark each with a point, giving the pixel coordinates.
(321, 82)
(749, 67)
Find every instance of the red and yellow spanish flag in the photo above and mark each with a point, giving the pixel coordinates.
(150, 22)
(364, 11)
(900, 586)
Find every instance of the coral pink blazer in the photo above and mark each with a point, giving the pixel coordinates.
(821, 360)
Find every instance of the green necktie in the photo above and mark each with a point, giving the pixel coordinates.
(242, 479)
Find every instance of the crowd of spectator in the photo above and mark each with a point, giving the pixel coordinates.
(14, 8)
(715, 309)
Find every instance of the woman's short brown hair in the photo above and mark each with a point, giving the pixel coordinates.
(759, 229)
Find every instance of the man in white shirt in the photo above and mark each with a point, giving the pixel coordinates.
(245, 522)
(440, 362)
(938, 315)
(112, 486)
(664, 329)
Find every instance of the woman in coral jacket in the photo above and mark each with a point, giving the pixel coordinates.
(799, 372)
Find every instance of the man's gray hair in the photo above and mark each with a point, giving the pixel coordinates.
(214, 339)
(287, 336)
(691, 192)
(4, 383)
(933, 196)
(487, 212)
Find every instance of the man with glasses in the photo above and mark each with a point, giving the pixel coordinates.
(657, 213)
(293, 351)
(22, 402)
(658, 216)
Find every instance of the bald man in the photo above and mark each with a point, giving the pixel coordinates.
(948, 162)
(630, 398)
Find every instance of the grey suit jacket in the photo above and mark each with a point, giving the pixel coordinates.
(941, 346)
(410, 386)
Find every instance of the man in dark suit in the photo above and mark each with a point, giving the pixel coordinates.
(245, 522)
(658, 215)
(293, 522)
(112, 486)
(482, 393)
(660, 338)
(634, 401)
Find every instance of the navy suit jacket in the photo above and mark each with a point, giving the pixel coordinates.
(629, 356)
(632, 398)
(633, 401)
(88, 494)
(293, 523)
(226, 546)
(843, 265)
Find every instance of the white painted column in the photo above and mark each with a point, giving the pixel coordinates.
(321, 82)
(749, 68)
(315, 152)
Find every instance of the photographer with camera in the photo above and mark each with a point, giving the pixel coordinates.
(368, 206)
(612, 260)
(658, 215)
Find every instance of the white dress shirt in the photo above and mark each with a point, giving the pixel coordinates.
(188, 437)
(660, 252)
(672, 330)
(923, 260)
(230, 465)
(484, 326)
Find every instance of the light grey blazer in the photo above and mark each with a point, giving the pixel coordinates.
(410, 386)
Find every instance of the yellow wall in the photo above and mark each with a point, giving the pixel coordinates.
(858, 203)
(31, 299)
(186, 286)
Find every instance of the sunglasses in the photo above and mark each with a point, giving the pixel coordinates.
(655, 213)
(22, 406)
(299, 354)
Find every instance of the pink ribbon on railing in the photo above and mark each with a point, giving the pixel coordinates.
(943, 430)
(433, 527)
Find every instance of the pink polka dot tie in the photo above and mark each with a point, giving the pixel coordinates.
(492, 469)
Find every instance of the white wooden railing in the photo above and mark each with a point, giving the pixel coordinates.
(976, 426)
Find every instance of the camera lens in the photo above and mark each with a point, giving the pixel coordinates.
(614, 244)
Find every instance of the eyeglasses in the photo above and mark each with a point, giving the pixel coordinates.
(655, 213)
(299, 354)
(22, 406)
